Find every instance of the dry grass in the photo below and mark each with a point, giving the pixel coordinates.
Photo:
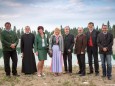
(50, 80)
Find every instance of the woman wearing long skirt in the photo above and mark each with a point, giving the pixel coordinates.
(56, 48)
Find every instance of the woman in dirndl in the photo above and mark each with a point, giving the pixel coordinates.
(56, 48)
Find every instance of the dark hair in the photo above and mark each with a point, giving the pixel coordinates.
(7, 23)
(91, 23)
(104, 25)
(40, 27)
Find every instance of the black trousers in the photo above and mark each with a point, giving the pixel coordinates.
(93, 53)
(68, 68)
(7, 55)
(81, 61)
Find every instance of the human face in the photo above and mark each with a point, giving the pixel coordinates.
(80, 30)
(40, 31)
(56, 33)
(8, 26)
(66, 30)
(27, 29)
(104, 29)
(90, 27)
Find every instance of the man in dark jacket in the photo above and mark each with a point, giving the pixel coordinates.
(105, 42)
(68, 48)
(92, 48)
(80, 46)
(9, 41)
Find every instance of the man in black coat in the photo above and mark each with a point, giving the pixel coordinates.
(92, 48)
(105, 42)
(28, 58)
(68, 49)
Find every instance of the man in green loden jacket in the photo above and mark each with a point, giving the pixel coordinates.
(9, 42)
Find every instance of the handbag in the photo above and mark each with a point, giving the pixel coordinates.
(50, 54)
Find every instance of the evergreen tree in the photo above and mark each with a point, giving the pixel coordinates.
(0, 32)
(22, 31)
(113, 31)
(108, 25)
(14, 29)
(97, 28)
(18, 34)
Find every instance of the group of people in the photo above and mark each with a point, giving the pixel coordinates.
(60, 48)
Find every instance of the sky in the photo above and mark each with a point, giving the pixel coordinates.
(53, 13)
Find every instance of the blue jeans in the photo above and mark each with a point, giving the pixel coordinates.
(106, 59)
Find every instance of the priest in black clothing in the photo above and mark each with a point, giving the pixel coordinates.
(28, 58)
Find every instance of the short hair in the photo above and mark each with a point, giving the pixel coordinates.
(91, 23)
(27, 27)
(104, 25)
(7, 23)
(40, 27)
(67, 27)
(57, 30)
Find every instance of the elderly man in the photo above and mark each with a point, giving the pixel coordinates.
(80, 46)
(9, 41)
(105, 42)
(68, 48)
(28, 58)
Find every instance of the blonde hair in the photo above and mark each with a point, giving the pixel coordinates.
(57, 30)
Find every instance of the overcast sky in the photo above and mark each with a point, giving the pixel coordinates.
(53, 13)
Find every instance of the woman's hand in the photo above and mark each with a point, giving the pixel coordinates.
(22, 55)
(50, 51)
(36, 53)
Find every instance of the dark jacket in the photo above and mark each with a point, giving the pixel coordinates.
(8, 38)
(80, 44)
(94, 35)
(68, 42)
(105, 41)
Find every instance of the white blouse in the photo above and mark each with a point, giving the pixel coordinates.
(43, 42)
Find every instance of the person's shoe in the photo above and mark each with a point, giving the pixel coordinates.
(109, 78)
(16, 75)
(43, 74)
(96, 74)
(70, 73)
(78, 72)
(65, 72)
(55, 74)
(8, 76)
(103, 76)
(39, 75)
(59, 74)
(82, 75)
(90, 73)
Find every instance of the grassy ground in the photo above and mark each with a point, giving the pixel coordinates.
(50, 80)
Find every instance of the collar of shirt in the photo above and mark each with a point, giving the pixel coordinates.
(66, 34)
(104, 32)
(91, 30)
(27, 33)
(8, 30)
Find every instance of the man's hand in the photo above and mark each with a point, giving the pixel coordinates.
(104, 49)
(36, 53)
(82, 52)
(13, 46)
(69, 50)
